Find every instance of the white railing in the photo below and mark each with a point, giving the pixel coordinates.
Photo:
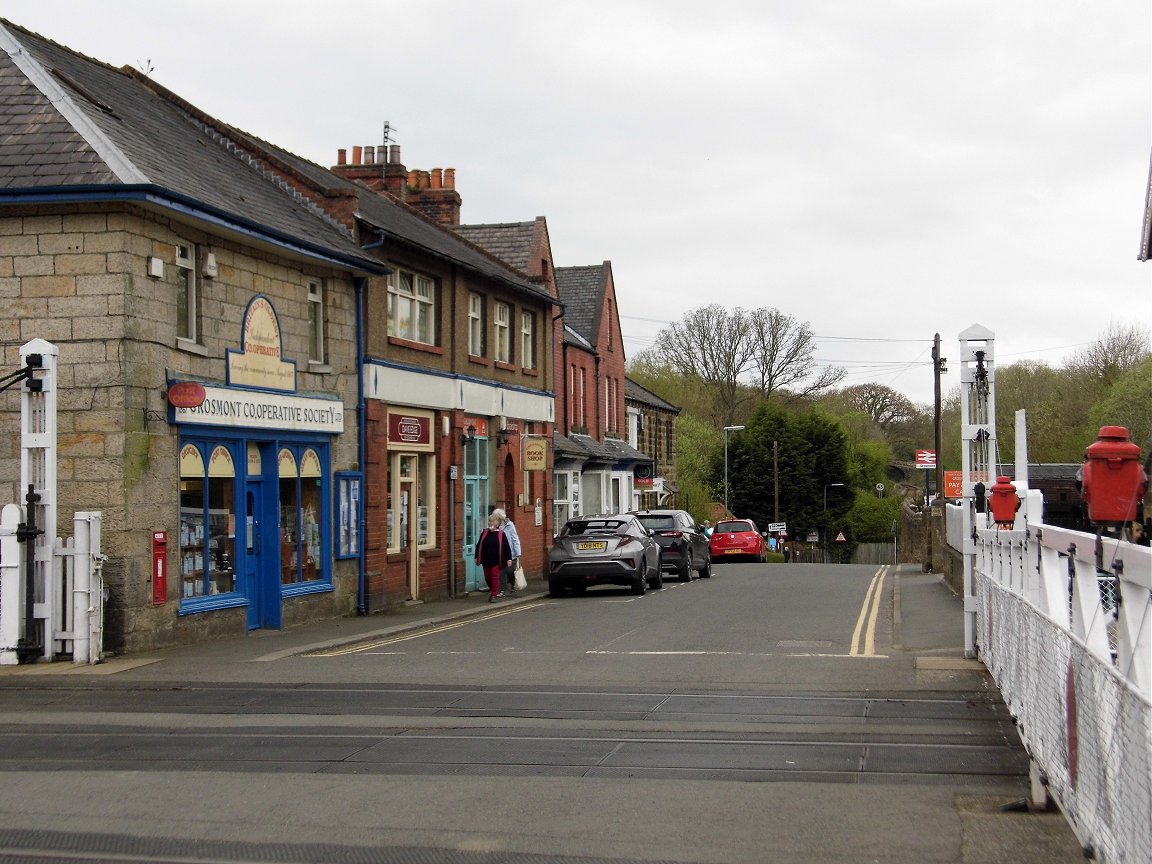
(1065, 628)
(75, 573)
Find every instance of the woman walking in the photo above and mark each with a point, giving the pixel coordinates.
(493, 554)
(508, 528)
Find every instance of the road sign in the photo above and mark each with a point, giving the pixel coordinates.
(925, 458)
(777, 527)
(813, 537)
(840, 538)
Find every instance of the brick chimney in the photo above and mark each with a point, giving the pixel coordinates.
(434, 194)
(366, 167)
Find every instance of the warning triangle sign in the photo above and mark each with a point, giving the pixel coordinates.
(840, 538)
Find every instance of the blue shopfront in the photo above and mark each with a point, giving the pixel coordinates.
(256, 482)
(255, 502)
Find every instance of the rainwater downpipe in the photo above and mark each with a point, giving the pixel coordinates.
(361, 284)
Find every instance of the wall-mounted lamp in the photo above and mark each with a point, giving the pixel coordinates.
(503, 437)
(468, 435)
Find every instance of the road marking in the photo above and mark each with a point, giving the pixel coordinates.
(868, 613)
(380, 643)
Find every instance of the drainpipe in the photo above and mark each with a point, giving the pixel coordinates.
(361, 284)
(362, 445)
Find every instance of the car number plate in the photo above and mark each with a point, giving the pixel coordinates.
(592, 545)
(733, 551)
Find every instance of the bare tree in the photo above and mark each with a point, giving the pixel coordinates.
(782, 350)
(884, 405)
(710, 344)
(1122, 347)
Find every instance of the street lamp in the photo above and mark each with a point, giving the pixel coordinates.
(828, 486)
(727, 429)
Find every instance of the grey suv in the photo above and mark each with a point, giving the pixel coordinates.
(683, 543)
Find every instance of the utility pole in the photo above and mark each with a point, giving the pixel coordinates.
(938, 368)
(776, 479)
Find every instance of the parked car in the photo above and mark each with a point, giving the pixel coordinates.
(738, 538)
(683, 543)
(604, 550)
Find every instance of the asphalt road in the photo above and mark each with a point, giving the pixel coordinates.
(781, 713)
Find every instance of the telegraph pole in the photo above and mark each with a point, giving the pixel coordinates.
(776, 479)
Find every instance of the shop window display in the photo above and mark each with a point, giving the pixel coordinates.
(207, 522)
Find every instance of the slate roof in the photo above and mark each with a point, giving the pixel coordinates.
(74, 123)
(574, 338)
(511, 242)
(404, 223)
(635, 392)
(582, 293)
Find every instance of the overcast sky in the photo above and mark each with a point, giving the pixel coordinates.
(881, 169)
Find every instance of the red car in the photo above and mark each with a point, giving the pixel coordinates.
(737, 538)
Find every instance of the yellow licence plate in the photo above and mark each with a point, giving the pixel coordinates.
(733, 551)
(592, 546)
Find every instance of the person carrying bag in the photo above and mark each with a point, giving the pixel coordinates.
(513, 573)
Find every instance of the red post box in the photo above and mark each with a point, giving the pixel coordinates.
(1004, 502)
(159, 568)
(1114, 480)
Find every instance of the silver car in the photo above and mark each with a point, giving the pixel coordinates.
(604, 550)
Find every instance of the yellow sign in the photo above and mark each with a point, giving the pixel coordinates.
(259, 362)
(535, 454)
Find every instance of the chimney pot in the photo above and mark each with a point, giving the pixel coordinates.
(342, 156)
(414, 179)
(449, 178)
(369, 155)
(436, 178)
(394, 153)
(356, 155)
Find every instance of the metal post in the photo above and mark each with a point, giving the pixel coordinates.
(727, 429)
(28, 647)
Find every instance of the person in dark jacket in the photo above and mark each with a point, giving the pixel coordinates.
(493, 555)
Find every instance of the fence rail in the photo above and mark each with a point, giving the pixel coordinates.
(1064, 624)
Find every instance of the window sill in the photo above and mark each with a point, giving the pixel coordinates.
(191, 347)
(415, 346)
(318, 367)
(532, 373)
(507, 367)
(479, 361)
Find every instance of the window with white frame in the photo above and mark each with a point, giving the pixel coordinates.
(317, 350)
(187, 294)
(527, 339)
(476, 325)
(502, 322)
(412, 307)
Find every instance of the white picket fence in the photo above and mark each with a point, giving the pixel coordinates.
(68, 598)
(1069, 644)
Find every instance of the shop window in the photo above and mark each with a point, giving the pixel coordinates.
(301, 499)
(207, 522)
(412, 502)
(348, 515)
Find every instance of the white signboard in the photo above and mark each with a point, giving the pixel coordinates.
(777, 527)
(253, 410)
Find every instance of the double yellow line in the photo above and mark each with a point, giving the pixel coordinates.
(864, 641)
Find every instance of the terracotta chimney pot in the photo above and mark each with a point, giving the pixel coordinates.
(356, 155)
(342, 156)
(437, 178)
(449, 178)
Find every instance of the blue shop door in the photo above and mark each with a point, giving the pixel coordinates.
(475, 509)
(261, 551)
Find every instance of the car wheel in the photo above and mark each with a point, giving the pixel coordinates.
(656, 580)
(639, 585)
(684, 571)
(555, 588)
(706, 570)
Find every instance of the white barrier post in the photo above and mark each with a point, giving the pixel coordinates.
(11, 595)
